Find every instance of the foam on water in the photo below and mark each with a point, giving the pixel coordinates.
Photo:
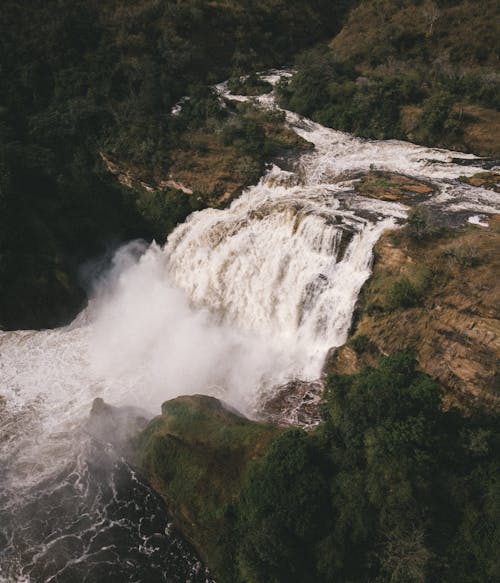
(239, 301)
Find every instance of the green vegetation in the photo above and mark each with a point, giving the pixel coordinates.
(389, 488)
(196, 454)
(420, 70)
(360, 342)
(421, 225)
(402, 294)
(225, 148)
(249, 85)
(83, 77)
(331, 93)
(282, 512)
(402, 289)
(165, 209)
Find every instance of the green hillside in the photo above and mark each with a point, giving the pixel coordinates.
(427, 71)
(389, 488)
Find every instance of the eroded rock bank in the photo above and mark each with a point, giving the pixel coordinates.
(438, 293)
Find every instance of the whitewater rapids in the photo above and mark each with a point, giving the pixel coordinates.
(238, 302)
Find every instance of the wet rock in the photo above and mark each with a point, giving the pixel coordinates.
(488, 180)
(297, 403)
(116, 425)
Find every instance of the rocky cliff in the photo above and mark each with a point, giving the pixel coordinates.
(441, 297)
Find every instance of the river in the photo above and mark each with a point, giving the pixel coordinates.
(237, 303)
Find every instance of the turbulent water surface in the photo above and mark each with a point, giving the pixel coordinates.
(238, 302)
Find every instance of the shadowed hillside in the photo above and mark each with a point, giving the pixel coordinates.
(85, 79)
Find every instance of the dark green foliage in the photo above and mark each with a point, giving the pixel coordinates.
(402, 294)
(245, 134)
(421, 225)
(338, 94)
(165, 209)
(202, 107)
(282, 512)
(334, 94)
(438, 121)
(472, 87)
(389, 488)
(80, 77)
(251, 85)
(360, 343)
(52, 220)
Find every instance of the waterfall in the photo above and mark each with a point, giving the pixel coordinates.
(281, 263)
(238, 302)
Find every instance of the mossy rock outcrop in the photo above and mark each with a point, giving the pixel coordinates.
(196, 455)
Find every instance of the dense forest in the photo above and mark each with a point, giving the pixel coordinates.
(84, 78)
(389, 488)
(90, 85)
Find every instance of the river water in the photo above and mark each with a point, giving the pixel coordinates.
(238, 302)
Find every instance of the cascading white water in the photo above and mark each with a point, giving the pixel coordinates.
(239, 301)
(282, 263)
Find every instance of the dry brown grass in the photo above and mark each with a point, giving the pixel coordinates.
(482, 130)
(391, 186)
(455, 328)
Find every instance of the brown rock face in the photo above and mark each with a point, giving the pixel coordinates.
(297, 403)
(452, 318)
(391, 186)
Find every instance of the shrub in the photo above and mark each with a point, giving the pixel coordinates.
(421, 224)
(463, 255)
(165, 209)
(245, 134)
(360, 343)
(402, 294)
(251, 85)
(438, 124)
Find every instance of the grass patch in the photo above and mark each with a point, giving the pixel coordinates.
(464, 255)
(403, 294)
